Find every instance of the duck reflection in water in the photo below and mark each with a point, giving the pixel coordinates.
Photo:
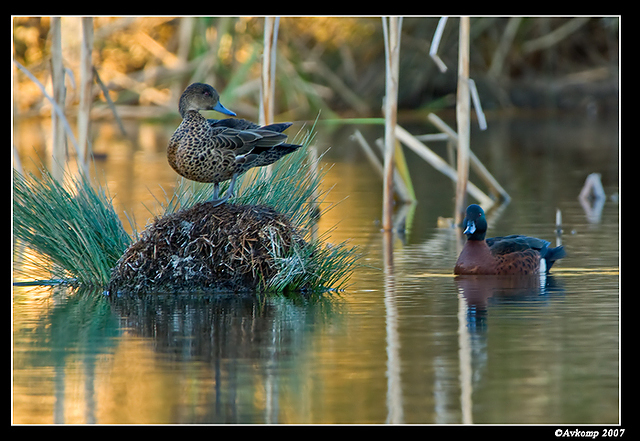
(482, 292)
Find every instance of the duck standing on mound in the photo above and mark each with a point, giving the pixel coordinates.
(508, 255)
(214, 151)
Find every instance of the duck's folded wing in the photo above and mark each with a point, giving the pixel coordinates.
(242, 142)
(243, 124)
(233, 123)
(516, 243)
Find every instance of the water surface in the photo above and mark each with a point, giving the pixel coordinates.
(408, 343)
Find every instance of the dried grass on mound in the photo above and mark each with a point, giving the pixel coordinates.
(207, 248)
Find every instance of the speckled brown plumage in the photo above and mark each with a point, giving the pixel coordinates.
(214, 151)
(508, 255)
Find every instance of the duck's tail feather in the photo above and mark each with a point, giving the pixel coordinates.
(262, 157)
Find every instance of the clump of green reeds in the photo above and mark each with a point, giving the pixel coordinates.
(72, 226)
(317, 265)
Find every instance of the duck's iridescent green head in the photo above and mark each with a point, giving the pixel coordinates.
(474, 223)
(200, 96)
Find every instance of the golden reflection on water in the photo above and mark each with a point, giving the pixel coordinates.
(332, 366)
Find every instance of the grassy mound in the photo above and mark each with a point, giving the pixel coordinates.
(229, 248)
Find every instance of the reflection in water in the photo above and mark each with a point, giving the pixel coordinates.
(480, 291)
(398, 346)
(394, 381)
(225, 326)
(70, 337)
(227, 334)
(227, 356)
(477, 295)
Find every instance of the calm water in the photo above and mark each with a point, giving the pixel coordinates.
(409, 344)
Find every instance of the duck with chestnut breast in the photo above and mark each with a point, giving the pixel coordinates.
(214, 151)
(508, 255)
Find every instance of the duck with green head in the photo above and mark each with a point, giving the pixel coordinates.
(508, 255)
(214, 151)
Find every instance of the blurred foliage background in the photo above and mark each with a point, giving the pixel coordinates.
(331, 63)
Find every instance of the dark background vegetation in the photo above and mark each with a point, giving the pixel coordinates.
(331, 63)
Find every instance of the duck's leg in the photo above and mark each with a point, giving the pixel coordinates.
(232, 184)
(229, 193)
(216, 191)
(215, 198)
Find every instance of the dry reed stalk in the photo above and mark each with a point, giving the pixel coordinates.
(371, 156)
(558, 227)
(439, 164)
(494, 187)
(435, 43)
(401, 177)
(112, 106)
(503, 47)
(268, 85)
(462, 117)
(392, 31)
(52, 101)
(407, 194)
(555, 36)
(402, 186)
(58, 151)
(592, 188)
(477, 105)
(86, 95)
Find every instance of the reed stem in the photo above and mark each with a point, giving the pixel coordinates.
(462, 118)
(268, 86)
(86, 95)
(392, 30)
(58, 149)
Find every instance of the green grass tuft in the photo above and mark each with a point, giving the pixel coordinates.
(73, 227)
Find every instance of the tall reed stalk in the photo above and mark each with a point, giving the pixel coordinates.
(86, 95)
(463, 102)
(268, 76)
(58, 149)
(392, 31)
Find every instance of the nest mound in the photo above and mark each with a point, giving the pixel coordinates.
(206, 248)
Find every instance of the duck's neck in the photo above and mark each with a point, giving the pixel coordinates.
(475, 256)
(477, 236)
(192, 116)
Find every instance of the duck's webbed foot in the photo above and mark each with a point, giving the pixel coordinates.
(219, 201)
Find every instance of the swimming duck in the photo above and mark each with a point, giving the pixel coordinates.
(508, 255)
(214, 151)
